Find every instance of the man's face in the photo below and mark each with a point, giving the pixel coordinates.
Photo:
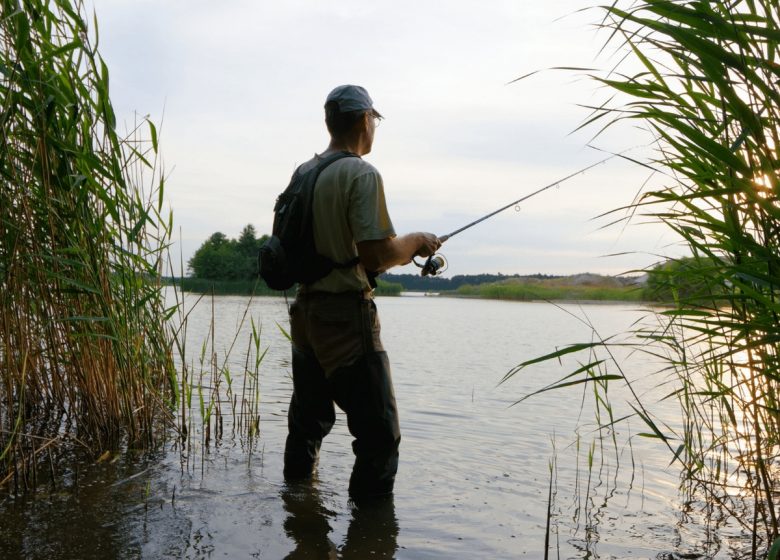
(370, 123)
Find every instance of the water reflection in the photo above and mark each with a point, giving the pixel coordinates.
(307, 522)
(372, 532)
(473, 480)
(94, 512)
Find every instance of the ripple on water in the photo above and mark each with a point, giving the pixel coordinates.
(474, 472)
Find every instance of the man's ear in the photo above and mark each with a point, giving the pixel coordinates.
(360, 126)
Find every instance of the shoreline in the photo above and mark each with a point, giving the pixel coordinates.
(586, 301)
(454, 295)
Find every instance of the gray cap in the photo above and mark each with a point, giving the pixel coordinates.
(352, 98)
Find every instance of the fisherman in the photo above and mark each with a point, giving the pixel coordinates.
(337, 354)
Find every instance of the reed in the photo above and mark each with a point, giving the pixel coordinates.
(703, 79)
(708, 91)
(85, 353)
(222, 373)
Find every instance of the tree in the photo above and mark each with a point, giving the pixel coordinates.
(247, 241)
(220, 258)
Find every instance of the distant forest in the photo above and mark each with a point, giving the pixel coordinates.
(232, 263)
(222, 258)
(415, 282)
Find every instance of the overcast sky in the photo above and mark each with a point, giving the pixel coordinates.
(237, 88)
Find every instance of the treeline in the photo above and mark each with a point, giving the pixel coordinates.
(418, 283)
(667, 282)
(229, 266)
(224, 265)
(220, 258)
(235, 260)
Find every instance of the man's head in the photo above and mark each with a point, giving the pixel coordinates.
(350, 116)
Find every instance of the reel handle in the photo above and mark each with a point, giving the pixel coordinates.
(434, 265)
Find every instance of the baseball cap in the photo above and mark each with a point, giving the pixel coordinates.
(352, 98)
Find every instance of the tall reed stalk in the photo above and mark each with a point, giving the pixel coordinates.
(704, 79)
(85, 355)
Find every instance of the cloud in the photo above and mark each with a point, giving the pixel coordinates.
(243, 83)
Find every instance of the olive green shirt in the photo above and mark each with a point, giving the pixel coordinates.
(349, 207)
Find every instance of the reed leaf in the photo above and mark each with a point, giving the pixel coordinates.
(85, 352)
(705, 83)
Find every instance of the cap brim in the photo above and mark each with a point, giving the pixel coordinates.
(376, 113)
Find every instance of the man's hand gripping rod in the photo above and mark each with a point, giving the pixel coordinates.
(436, 264)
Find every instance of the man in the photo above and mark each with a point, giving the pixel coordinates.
(336, 348)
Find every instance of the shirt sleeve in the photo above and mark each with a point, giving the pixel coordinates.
(368, 216)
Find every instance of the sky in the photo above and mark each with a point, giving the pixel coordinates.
(237, 89)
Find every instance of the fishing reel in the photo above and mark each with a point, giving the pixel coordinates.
(433, 266)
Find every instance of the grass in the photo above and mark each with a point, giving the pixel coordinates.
(551, 290)
(85, 354)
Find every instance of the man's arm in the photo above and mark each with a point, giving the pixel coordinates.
(382, 254)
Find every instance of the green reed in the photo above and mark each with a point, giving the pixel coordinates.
(85, 354)
(708, 91)
(704, 82)
(223, 376)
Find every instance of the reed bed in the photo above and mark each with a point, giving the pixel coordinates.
(551, 291)
(219, 381)
(85, 352)
(709, 93)
(703, 78)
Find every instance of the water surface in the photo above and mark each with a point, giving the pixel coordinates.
(475, 472)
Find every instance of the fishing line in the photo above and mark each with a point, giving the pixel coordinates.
(517, 202)
(436, 264)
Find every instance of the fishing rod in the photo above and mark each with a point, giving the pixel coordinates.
(436, 263)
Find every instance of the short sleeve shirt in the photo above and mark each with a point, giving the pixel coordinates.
(349, 207)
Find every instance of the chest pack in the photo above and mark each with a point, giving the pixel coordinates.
(289, 256)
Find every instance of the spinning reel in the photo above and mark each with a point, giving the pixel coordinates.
(433, 266)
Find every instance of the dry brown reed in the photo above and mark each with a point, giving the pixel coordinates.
(85, 355)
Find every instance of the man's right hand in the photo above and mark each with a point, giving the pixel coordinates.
(429, 244)
(382, 254)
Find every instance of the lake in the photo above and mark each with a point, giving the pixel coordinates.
(477, 476)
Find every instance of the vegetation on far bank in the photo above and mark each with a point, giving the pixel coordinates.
(222, 265)
(420, 283)
(224, 259)
(562, 289)
(666, 283)
(257, 287)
